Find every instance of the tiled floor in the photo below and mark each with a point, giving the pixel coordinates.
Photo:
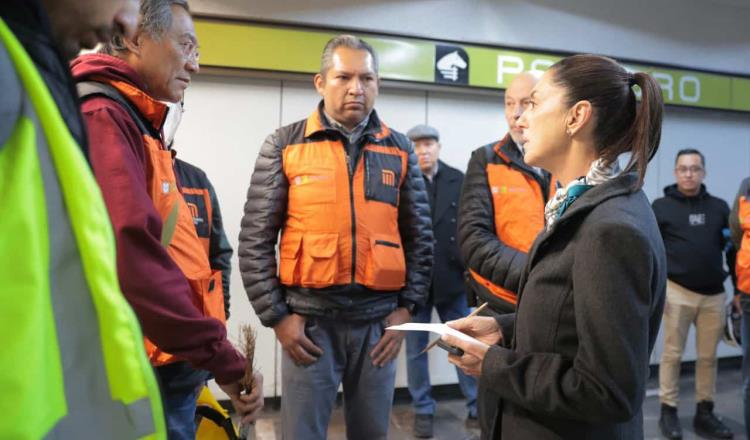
(449, 420)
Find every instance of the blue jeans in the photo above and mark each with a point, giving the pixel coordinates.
(745, 339)
(180, 386)
(418, 374)
(309, 392)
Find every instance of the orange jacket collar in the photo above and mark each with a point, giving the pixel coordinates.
(500, 146)
(153, 110)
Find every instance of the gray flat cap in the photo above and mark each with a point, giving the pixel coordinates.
(422, 131)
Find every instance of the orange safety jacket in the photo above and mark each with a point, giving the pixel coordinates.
(179, 235)
(342, 224)
(350, 226)
(742, 211)
(494, 247)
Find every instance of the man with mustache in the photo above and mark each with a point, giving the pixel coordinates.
(355, 250)
(447, 292)
(163, 267)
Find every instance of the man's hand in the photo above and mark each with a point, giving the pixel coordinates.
(290, 332)
(248, 406)
(389, 344)
(471, 361)
(481, 328)
(736, 302)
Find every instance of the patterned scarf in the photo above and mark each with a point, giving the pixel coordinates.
(564, 197)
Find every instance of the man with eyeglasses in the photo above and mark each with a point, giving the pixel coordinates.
(694, 226)
(163, 267)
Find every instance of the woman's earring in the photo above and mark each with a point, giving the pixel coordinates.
(568, 132)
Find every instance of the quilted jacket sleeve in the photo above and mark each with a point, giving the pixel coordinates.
(482, 250)
(415, 227)
(265, 211)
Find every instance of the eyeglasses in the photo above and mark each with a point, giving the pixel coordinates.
(189, 50)
(691, 170)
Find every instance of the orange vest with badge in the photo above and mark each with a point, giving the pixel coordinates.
(518, 205)
(742, 266)
(342, 218)
(179, 236)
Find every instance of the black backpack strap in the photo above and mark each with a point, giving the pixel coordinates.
(90, 89)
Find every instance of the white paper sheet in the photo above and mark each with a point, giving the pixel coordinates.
(440, 329)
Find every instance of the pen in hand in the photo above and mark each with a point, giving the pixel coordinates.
(474, 313)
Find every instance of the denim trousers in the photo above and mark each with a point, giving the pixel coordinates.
(180, 386)
(309, 392)
(418, 374)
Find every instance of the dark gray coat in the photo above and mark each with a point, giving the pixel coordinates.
(447, 267)
(589, 310)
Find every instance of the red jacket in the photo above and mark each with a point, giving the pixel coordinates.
(150, 279)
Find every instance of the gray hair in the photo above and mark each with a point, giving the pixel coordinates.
(155, 21)
(349, 41)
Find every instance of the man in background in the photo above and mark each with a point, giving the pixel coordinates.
(694, 225)
(447, 294)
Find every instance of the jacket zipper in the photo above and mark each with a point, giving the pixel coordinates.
(350, 169)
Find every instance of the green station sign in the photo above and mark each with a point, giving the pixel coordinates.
(276, 48)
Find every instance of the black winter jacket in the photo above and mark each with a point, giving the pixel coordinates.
(265, 214)
(448, 268)
(696, 233)
(482, 250)
(589, 310)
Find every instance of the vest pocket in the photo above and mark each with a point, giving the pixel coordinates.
(213, 297)
(208, 295)
(386, 265)
(291, 242)
(382, 177)
(319, 259)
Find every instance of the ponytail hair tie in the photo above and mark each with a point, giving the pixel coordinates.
(631, 80)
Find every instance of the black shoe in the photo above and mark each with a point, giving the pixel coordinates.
(706, 424)
(423, 425)
(669, 423)
(472, 422)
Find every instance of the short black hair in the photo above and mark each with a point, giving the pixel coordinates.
(685, 151)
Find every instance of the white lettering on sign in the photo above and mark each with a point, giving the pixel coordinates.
(508, 64)
(538, 67)
(695, 96)
(667, 84)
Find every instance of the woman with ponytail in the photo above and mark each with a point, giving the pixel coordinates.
(572, 362)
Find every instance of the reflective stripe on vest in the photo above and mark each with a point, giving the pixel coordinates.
(73, 365)
(742, 265)
(341, 230)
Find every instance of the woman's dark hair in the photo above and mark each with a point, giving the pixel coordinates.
(622, 125)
